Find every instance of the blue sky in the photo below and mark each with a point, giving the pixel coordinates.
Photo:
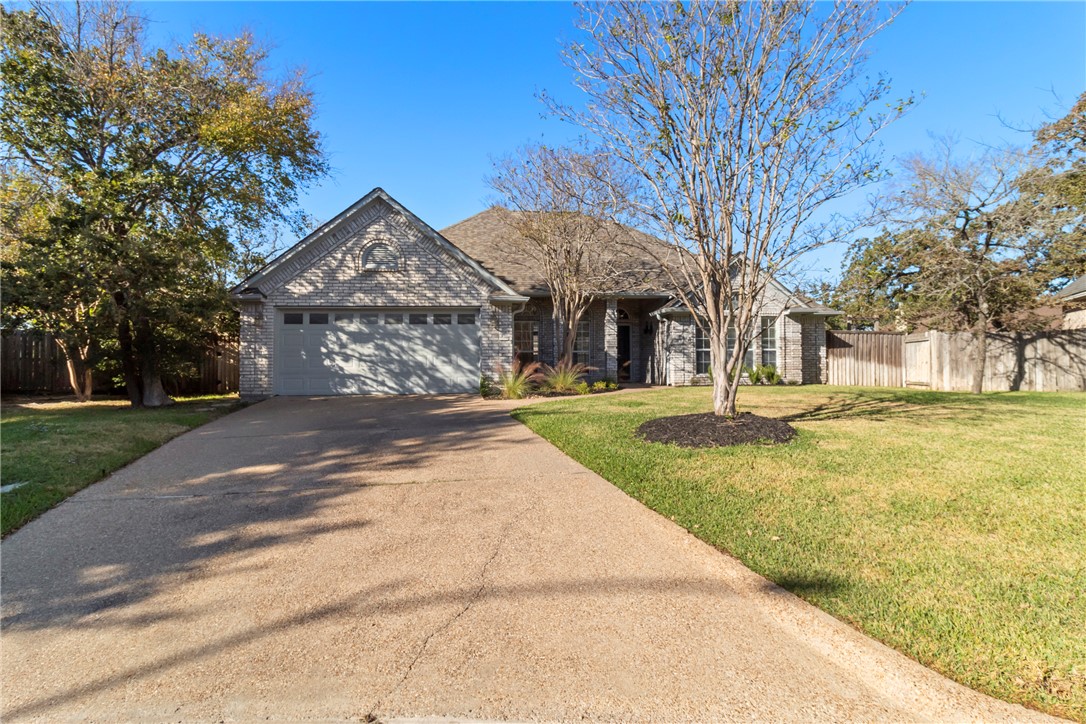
(417, 97)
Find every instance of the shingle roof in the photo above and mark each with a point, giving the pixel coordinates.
(486, 237)
(1074, 290)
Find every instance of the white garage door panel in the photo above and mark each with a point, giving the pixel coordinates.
(359, 353)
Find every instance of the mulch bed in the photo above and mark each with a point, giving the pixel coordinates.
(709, 430)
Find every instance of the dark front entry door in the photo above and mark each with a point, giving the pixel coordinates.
(624, 352)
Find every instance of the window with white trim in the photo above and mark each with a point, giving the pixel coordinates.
(582, 343)
(526, 340)
(701, 351)
(769, 341)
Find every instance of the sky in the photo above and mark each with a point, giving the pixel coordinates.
(418, 98)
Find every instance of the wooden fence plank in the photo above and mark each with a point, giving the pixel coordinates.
(868, 359)
(1045, 361)
(33, 363)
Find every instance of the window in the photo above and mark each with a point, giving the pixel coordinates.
(465, 319)
(748, 358)
(582, 343)
(380, 257)
(701, 352)
(623, 315)
(416, 318)
(321, 318)
(344, 317)
(526, 340)
(292, 318)
(393, 319)
(442, 319)
(368, 318)
(769, 341)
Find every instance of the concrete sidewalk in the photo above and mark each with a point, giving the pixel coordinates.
(341, 558)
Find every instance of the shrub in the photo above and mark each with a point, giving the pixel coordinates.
(486, 386)
(518, 381)
(582, 388)
(604, 386)
(564, 377)
(770, 374)
(754, 374)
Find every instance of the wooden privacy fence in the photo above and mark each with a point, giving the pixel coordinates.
(1043, 362)
(867, 359)
(33, 363)
(1040, 362)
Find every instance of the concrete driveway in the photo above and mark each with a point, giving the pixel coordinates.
(380, 557)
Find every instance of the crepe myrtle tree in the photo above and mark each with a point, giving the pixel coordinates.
(740, 122)
(563, 206)
(160, 160)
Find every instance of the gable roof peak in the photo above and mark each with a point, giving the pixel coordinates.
(248, 287)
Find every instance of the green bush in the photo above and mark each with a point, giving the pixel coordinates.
(770, 374)
(754, 374)
(604, 386)
(518, 382)
(486, 386)
(582, 388)
(564, 377)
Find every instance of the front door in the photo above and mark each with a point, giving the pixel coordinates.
(623, 352)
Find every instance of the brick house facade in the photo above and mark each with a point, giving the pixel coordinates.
(437, 313)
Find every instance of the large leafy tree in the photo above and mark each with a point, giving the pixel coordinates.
(149, 164)
(740, 120)
(969, 243)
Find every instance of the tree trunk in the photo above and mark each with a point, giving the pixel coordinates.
(980, 347)
(132, 383)
(79, 374)
(154, 394)
(568, 324)
(724, 386)
(980, 352)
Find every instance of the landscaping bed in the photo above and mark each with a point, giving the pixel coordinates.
(52, 449)
(892, 510)
(709, 430)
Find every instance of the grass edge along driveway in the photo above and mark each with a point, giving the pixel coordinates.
(55, 449)
(946, 525)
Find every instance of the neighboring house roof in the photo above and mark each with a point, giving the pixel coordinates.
(250, 287)
(489, 238)
(1074, 291)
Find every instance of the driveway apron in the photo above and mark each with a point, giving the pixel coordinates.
(339, 558)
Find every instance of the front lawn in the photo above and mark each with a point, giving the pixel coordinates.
(949, 526)
(58, 448)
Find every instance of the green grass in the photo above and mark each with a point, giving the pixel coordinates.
(59, 448)
(949, 526)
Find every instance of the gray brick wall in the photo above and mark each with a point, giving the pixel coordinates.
(801, 346)
(814, 350)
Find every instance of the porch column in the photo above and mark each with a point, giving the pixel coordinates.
(610, 339)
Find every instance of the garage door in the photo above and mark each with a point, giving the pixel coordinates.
(371, 351)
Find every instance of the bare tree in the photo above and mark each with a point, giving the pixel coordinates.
(563, 206)
(741, 120)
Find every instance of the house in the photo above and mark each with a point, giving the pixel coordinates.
(377, 302)
(1072, 298)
